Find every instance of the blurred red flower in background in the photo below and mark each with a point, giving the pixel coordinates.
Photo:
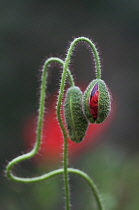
(52, 139)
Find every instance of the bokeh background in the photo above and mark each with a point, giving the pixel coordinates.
(31, 31)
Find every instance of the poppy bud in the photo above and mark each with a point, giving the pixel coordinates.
(97, 101)
(74, 116)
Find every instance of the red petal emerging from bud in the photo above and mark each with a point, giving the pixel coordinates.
(93, 101)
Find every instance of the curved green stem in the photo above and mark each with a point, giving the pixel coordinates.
(40, 116)
(94, 51)
(60, 171)
(59, 104)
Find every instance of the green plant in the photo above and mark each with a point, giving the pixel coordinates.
(94, 106)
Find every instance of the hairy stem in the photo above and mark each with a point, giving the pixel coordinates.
(65, 152)
(59, 104)
(40, 117)
(60, 171)
(94, 52)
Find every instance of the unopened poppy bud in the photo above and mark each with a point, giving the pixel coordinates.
(97, 101)
(74, 116)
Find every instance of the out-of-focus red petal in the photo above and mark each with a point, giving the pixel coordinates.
(52, 139)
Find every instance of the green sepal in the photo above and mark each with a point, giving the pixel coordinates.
(74, 117)
(104, 101)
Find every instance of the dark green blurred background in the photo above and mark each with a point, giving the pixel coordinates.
(31, 30)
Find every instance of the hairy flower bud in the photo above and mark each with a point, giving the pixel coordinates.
(74, 117)
(97, 101)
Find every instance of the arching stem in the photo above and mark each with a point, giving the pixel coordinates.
(40, 117)
(51, 174)
(94, 52)
(59, 104)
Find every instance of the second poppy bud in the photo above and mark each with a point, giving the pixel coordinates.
(75, 120)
